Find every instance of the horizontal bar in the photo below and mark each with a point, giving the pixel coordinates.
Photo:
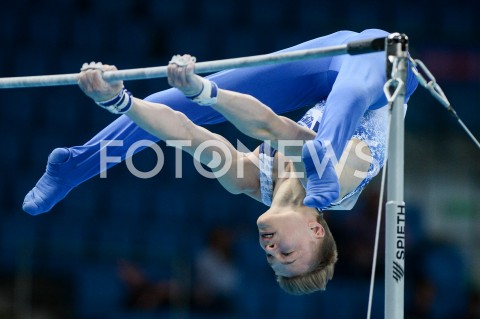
(356, 47)
(366, 46)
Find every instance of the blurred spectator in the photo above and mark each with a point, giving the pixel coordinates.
(216, 276)
(5, 304)
(424, 293)
(473, 308)
(144, 294)
(355, 233)
(215, 281)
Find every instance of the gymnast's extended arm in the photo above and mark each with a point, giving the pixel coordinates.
(247, 113)
(256, 120)
(170, 125)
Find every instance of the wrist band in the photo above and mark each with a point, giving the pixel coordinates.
(120, 104)
(207, 95)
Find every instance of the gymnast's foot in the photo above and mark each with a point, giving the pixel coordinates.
(322, 185)
(51, 188)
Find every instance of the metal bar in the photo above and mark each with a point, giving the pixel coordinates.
(397, 55)
(357, 47)
(161, 71)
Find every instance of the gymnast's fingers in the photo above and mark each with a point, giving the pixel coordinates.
(91, 82)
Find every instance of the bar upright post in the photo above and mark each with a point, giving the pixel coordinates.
(397, 55)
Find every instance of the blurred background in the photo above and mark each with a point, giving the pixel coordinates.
(151, 253)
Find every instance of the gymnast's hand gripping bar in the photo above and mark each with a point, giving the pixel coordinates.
(352, 48)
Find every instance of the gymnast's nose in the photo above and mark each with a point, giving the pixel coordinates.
(270, 247)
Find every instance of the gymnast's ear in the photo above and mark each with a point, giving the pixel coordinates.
(317, 229)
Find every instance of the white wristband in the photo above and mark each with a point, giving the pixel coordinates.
(207, 95)
(120, 104)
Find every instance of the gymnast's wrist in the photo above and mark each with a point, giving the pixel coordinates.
(207, 95)
(119, 104)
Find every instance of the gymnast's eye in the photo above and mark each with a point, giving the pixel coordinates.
(287, 254)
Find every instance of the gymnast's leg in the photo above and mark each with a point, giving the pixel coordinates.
(358, 87)
(68, 167)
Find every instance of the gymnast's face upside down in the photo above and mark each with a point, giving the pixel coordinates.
(291, 238)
